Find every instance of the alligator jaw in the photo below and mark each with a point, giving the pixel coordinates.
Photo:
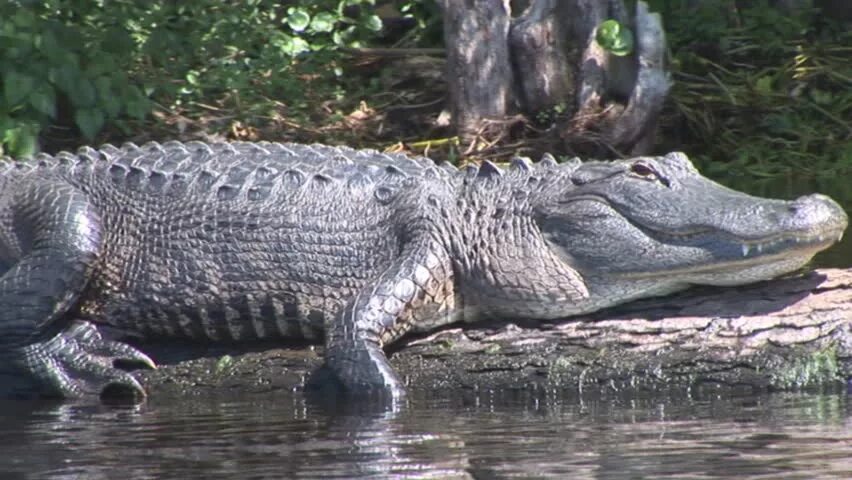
(820, 239)
(765, 259)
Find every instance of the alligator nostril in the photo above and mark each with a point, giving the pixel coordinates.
(818, 208)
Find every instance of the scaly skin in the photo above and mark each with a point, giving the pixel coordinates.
(239, 242)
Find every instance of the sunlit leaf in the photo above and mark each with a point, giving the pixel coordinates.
(298, 19)
(373, 23)
(323, 22)
(615, 38)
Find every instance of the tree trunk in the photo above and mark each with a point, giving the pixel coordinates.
(547, 65)
(475, 34)
(789, 333)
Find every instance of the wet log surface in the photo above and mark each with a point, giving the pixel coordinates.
(784, 334)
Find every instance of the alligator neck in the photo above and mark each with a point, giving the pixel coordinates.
(504, 264)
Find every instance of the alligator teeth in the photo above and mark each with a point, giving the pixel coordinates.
(759, 248)
(745, 250)
(840, 237)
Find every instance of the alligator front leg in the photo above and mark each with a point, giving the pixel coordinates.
(54, 233)
(417, 288)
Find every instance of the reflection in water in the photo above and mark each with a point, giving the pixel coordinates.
(487, 435)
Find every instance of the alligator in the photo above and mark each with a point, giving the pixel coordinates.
(241, 242)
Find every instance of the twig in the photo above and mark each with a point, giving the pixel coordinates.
(393, 52)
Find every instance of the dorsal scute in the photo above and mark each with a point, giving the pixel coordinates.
(199, 147)
(489, 169)
(295, 177)
(449, 167)
(160, 148)
(394, 171)
(109, 151)
(547, 160)
(249, 170)
(359, 180)
(572, 163)
(522, 164)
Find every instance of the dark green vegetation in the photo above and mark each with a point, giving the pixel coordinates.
(93, 66)
(755, 88)
(759, 89)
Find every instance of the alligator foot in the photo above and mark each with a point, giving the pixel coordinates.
(359, 374)
(79, 362)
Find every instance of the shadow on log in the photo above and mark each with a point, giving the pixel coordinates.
(785, 334)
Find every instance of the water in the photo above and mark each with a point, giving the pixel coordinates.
(519, 435)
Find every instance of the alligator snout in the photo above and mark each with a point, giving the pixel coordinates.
(819, 212)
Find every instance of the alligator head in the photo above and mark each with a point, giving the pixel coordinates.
(653, 225)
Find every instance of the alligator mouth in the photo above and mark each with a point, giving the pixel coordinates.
(773, 244)
(776, 254)
(732, 253)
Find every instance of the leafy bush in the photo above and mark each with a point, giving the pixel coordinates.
(97, 63)
(45, 62)
(758, 89)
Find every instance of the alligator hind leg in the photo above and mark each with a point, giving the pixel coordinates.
(55, 233)
(419, 281)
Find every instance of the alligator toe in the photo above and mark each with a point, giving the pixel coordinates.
(78, 362)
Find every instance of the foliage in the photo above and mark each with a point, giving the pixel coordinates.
(99, 63)
(757, 89)
(615, 38)
(44, 63)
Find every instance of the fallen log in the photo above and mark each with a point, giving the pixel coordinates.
(789, 333)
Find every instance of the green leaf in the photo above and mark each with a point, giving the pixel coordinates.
(298, 19)
(821, 97)
(323, 22)
(89, 121)
(294, 46)
(763, 85)
(16, 87)
(21, 141)
(615, 38)
(111, 105)
(373, 23)
(192, 77)
(137, 104)
(117, 40)
(65, 77)
(50, 46)
(82, 93)
(43, 99)
(24, 18)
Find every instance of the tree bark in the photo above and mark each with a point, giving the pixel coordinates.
(479, 72)
(595, 103)
(783, 334)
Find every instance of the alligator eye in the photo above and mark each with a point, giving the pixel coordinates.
(648, 173)
(643, 170)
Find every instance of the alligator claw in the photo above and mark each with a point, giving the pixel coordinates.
(124, 353)
(79, 362)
